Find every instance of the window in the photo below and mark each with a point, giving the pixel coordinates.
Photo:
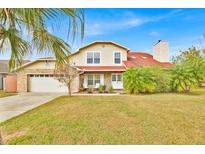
(93, 57)
(89, 58)
(113, 77)
(96, 58)
(90, 80)
(97, 79)
(93, 79)
(119, 78)
(117, 57)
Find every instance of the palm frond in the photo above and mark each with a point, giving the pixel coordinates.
(46, 42)
(11, 39)
(33, 21)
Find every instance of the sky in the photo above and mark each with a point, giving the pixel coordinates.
(138, 29)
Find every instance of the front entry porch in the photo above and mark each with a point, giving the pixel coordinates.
(116, 81)
(107, 79)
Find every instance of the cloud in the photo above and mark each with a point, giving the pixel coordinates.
(93, 29)
(98, 28)
(170, 14)
(105, 27)
(154, 33)
(125, 21)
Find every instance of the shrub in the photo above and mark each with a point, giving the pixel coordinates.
(82, 89)
(101, 88)
(189, 70)
(146, 80)
(183, 76)
(162, 79)
(139, 80)
(89, 90)
(198, 67)
(110, 89)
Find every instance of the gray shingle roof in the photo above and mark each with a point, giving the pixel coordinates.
(4, 65)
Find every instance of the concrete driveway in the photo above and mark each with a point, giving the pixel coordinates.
(15, 105)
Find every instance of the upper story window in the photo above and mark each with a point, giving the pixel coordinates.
(93, 57)
(117, 58)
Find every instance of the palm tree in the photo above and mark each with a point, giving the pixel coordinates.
(139, 80)
(183, 76)
(16, 23)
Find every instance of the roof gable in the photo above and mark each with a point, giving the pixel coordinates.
(101, 42)
(33, 62)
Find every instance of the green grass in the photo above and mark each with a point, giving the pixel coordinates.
(4, 94)
(126, 119)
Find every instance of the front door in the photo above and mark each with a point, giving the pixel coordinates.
(117, 81)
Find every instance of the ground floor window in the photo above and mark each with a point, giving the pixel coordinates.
(93, 79)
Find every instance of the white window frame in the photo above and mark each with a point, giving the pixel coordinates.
(85, 83)
(94, 79)
(117, 79)
(93, 58)
(120, 58)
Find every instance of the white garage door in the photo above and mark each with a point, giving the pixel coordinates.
(45, 83)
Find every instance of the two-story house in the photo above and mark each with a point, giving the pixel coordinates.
(102, 63)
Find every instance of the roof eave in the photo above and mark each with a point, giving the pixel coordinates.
(103, 70)
(78, 50)
(29, 63)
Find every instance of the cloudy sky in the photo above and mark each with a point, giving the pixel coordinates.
(139, 29)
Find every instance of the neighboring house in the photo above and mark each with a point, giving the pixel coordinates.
(102, 63)
(5, 74)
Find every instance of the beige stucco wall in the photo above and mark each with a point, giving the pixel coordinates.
(35, 68)
(161, 51)
(107, 55)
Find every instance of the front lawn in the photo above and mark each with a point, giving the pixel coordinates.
(4, 94)
(141, 119)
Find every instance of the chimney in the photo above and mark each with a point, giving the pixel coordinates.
(161, 51)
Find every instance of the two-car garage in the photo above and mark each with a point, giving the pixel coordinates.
(38, 76)
(45, 83)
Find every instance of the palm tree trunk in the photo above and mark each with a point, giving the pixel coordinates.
(187, 87)
(184, 89)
